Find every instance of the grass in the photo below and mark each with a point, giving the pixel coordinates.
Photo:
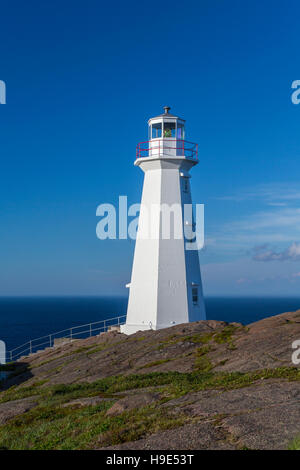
(96, 349)
(50, 426)
(86, 428)
(202, 338)
(223, 336)
(178, 383)
(136, 339)
(155, 363)
(46, 427)
(202, 362)
(199, 338)
(17, 393)
(295, 444)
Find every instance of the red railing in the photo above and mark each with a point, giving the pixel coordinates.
(167, 148)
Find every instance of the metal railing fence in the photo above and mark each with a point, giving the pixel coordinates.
(167, 148)
(75, 332)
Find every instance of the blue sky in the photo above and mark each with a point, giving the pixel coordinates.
(83, 78)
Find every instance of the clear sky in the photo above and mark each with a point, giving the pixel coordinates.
(83, 78)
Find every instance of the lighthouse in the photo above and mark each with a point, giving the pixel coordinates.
(165, 287)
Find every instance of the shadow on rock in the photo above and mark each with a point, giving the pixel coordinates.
(14, 374)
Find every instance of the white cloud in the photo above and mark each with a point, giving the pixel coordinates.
(276, 194)
(274, 226)
(273, 229)
(292, 253)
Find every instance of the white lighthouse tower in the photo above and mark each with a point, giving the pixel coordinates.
(165, 287)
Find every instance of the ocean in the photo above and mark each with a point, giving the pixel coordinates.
(22, 319)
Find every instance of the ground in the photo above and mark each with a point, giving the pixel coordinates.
(202, 385)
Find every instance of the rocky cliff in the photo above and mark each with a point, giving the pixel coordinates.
(203, 385)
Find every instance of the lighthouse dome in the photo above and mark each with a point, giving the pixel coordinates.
(167, 114)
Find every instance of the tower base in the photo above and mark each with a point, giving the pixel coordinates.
(130, 329)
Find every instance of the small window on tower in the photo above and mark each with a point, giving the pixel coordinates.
(195, 295)
(156, 130)
(185, 183)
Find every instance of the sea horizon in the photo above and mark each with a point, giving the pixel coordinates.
(27, 317)
(250, 296)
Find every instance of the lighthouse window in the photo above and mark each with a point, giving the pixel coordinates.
(195, 295)
(156, 130)
(180, 131)
(169, 129)
(185, 183)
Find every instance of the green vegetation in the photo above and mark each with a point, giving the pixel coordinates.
(201, 361)
(51, 426)
(295, 444)
(199, 338)
(17, 393)
(136, 339)
(223, 336)
(67, 428)
(96, 349)
(202, 338)
(180, 383)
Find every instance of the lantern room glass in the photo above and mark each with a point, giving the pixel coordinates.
(167, 130)
(180, 131)
(170, 130)
(156, 130)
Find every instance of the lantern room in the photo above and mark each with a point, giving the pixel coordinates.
(166, 138)
(166, 126)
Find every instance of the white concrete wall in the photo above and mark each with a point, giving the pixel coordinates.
(170, 147)
(163, 270)
(172, 305)
(193, 274)
(142, 303)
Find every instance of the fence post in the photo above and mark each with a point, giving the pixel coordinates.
(10, 356)
(71, 333)
(30, 346)
(90, 329)
(50, 340)
(104, 325)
